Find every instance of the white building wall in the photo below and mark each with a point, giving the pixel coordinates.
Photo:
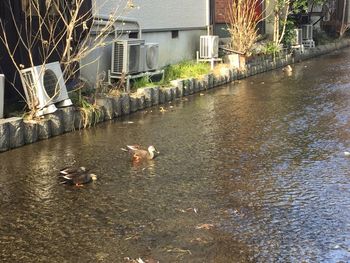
(158, 14)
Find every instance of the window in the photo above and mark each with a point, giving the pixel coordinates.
(175, 34)
(133, 35)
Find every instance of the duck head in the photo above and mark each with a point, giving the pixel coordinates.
(152, 150)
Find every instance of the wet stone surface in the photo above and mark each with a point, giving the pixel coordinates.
(107, 105)
(56, 120)
(44, 129)
(4, 135)
(31, 131)
(16, 132)
(68, 118)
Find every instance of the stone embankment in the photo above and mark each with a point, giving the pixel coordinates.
(16, 132)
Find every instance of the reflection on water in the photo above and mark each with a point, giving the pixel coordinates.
(251, 172)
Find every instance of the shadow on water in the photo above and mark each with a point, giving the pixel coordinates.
(251, 172)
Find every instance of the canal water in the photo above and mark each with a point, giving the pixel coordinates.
(250, 172)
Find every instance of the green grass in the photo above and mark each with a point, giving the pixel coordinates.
(142, 82)
(182, 70)
(186, 69)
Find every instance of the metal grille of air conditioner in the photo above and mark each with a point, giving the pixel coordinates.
(209, 47)
(51, 85)
(29, 86)
(118, 58)
(307, 32)
(126, 56)
(29, 80)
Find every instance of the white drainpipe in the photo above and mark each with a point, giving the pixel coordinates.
(207, 18)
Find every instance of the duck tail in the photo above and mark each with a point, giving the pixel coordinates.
(133, 147)
(64, 171)
(64, 182)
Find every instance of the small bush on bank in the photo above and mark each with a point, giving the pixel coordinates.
(271, 48)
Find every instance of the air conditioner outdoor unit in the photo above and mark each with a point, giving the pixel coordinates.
(209, 47)
(298, 40)
(2, 89)
(150, 56)
(307, 31)
(48, 84)
(126, 56)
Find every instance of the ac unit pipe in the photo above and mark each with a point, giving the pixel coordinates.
(103, 19)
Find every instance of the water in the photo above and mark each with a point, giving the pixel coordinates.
(250, 172)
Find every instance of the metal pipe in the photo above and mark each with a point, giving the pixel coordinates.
(105, 18)
(207, 16)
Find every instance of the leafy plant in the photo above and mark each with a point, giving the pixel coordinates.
(271, 48)
(289, 35)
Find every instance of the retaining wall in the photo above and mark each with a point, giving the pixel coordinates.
(16, 132)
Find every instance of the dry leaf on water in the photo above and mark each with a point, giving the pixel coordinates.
(205, 226)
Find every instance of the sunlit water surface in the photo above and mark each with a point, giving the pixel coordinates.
(250, 172)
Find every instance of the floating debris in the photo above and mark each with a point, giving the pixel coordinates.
(346, 154)
(161, 109)
(205, 226)
(178, 250)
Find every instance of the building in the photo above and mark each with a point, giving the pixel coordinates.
(175, 25)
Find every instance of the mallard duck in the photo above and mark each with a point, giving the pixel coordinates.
(139, 154)
(76, 176)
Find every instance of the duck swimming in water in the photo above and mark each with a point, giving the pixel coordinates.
(287, 69)
(76, 176)
(139, 154)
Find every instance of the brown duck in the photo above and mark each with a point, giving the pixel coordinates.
(139, 154)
